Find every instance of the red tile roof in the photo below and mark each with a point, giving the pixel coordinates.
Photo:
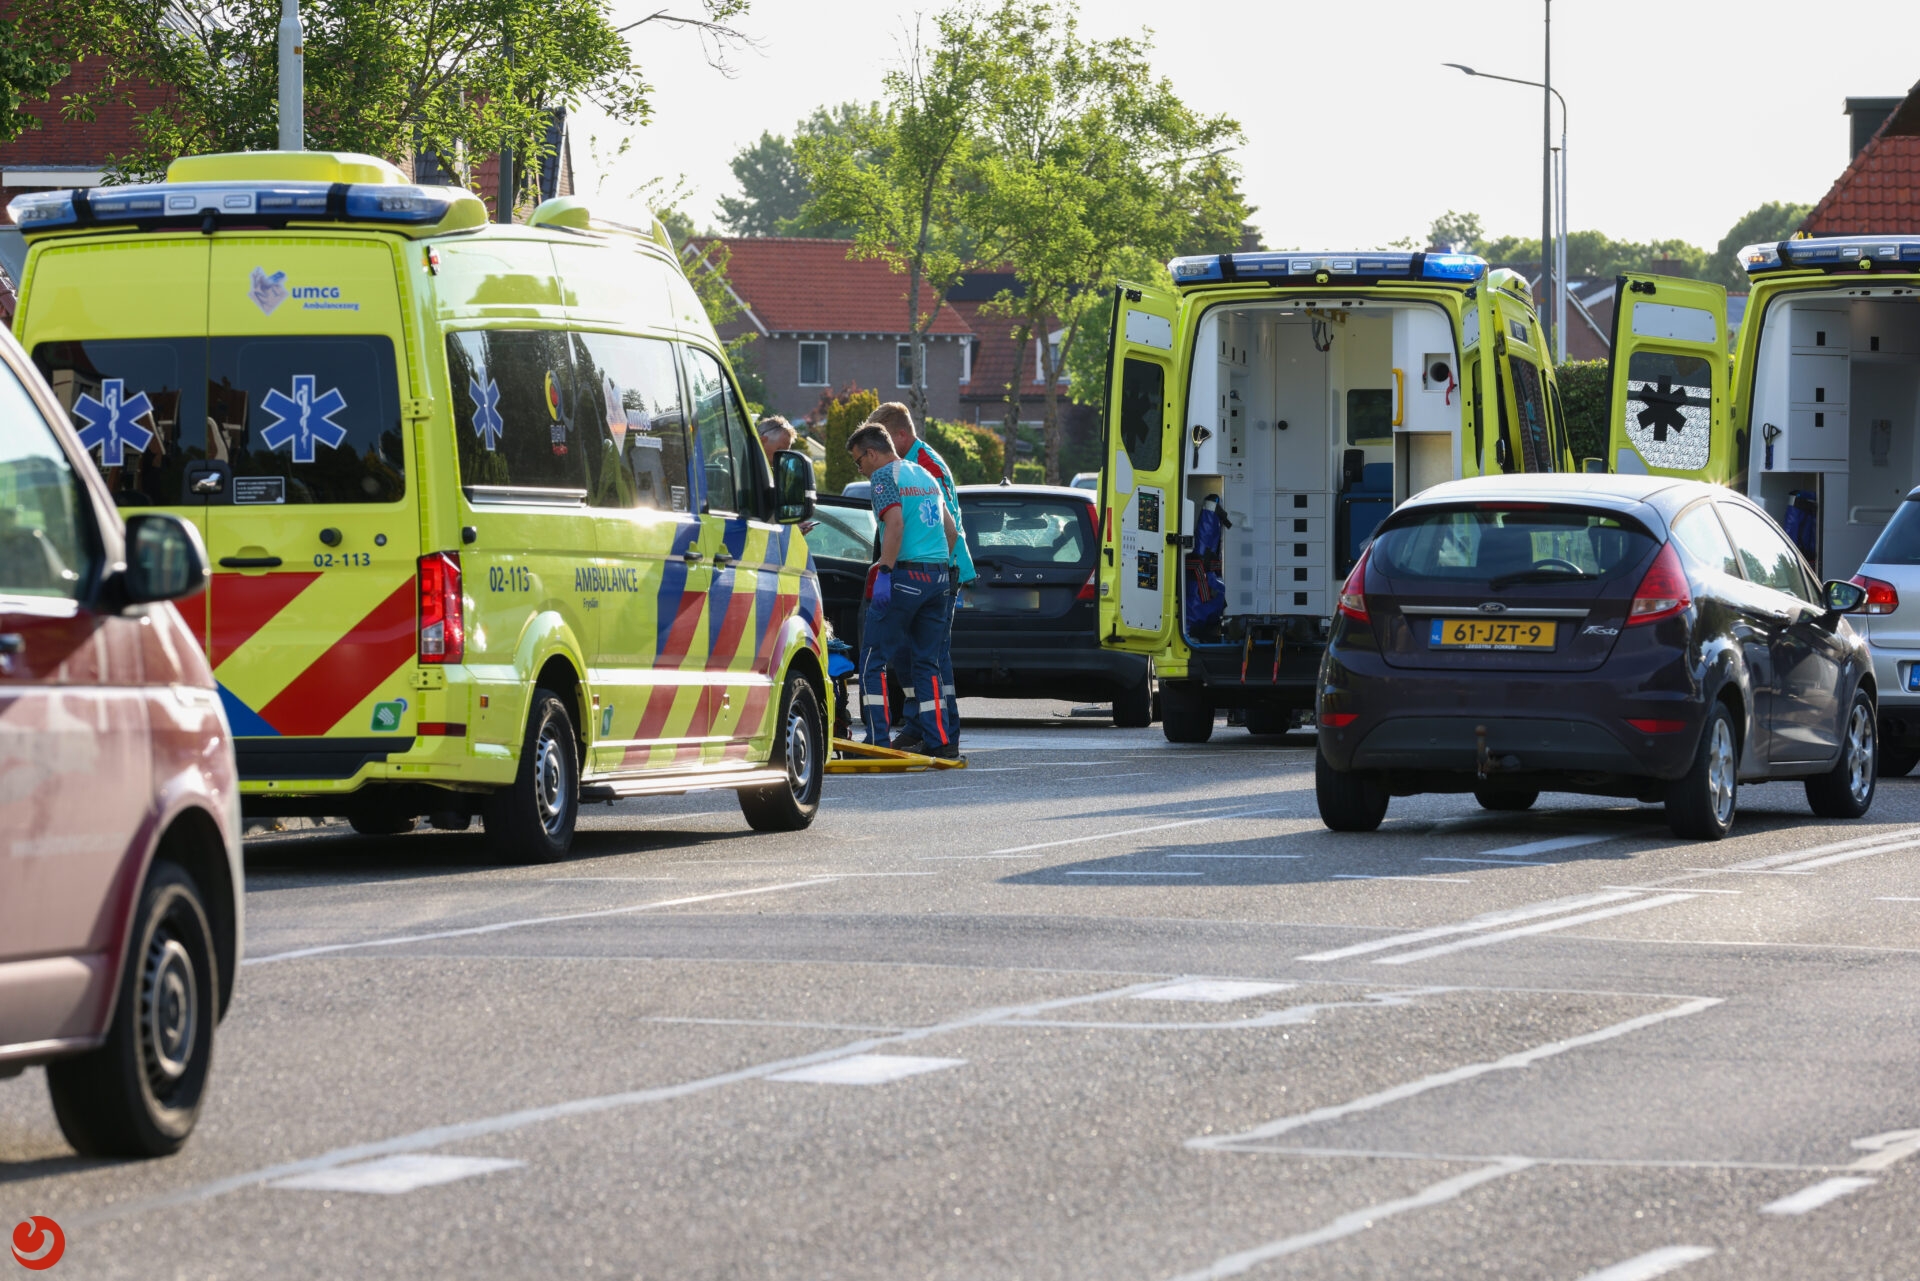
(797, 285)
(1880, 190)
(993, 353)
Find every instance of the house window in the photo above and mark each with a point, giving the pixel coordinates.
(1052, 353)
(966, 360)
(903, 361)
(813, 364)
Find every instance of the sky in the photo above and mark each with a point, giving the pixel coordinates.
(1685, 114)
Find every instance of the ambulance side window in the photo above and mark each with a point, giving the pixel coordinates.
(643, 441)
(312, 419)
(1142, 404)
(720, 438)
(518, 414)
(139, 445)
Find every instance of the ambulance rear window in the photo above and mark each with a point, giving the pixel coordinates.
(280, 420)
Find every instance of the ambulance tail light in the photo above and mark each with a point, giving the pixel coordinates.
(443, 632)
(1353, 596)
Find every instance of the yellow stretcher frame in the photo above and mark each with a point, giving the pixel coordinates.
(863, 758)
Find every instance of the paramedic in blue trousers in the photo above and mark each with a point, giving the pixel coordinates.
(908, 615)
(898, 420)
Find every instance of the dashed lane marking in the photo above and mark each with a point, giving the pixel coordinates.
(1211, 990)
(1654, 1263)
(1509, 862)
(392, 1175)
(1485, 921)
(1812, 1198)
(1138, 831)
(1538, 927)
(1557, 843)
(866, 1069)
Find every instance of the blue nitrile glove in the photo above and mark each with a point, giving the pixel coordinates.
(882, 588)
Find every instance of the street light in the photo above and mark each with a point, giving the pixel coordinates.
(1556, 275)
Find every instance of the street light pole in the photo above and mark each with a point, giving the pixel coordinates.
(1558, 300)
(292, 77)
(1547, 296)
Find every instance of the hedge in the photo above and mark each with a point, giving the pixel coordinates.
(843, 413)
(975, 453)
(1585, 390)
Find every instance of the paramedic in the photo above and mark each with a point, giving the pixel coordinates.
(908, 616)
(898, 421)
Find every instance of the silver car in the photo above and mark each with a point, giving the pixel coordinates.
(1891, 622)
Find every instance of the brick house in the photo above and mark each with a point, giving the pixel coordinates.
(1879, 191)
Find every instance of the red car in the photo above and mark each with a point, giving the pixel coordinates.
(120, 875)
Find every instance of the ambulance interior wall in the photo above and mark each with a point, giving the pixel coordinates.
(1285, 390)
(1841, 374)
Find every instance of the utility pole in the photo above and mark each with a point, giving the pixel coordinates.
(1546, 191)
(503, 207)
(293, 53)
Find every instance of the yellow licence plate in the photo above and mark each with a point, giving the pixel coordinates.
(1486, 633)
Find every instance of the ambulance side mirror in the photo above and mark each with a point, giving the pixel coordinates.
(793, 487)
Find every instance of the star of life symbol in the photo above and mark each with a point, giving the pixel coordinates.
(486, 412)
(113, 422)
(302, 419)
(929, 514)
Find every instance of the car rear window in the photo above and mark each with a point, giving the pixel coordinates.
(1899, 542)
(1482, 543)
(1029, 530)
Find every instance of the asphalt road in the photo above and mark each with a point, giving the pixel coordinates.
(1097, 1007)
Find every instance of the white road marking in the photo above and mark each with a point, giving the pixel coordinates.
(1237, 856)
(1812, 1198)
(1906, 836)
(866, 1069)
(1655, 889)
(392, 1175)
(1888, 898)
(1214, 990)
(1509, 862)
(1557, 843)
(1538, 927)
(1347, 1225)
(1136, 873)
(1654, 1263)
(1452, 1076)
(1848, 857)
(460, 1132)
(1371, 876)
(498, 926)
(1486, 921)
(1888, 1149)
(1136, 831)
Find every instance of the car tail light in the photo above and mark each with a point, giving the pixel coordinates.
(1090, 590)
(1338, 720)
(1663, 592)
(1657, 726)
(1353, 594)
(443, 633)
(1882, 597)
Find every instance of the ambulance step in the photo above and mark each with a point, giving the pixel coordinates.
(616, 789)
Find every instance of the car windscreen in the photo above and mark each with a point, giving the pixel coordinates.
(1027, 529)
(1509, 542)
(841, 533)
(1899, 542)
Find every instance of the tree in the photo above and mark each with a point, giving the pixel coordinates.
(439, 77)
(28, 73)
(899, 178)
(1087, 163)
(1776, 220)
(774, 191)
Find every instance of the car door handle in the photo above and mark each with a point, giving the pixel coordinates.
(249, 562)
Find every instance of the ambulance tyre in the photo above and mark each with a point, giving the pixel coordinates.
(1350, 800)
(1186, 715)
(800, 750)
(1133, 708)
(532, 820)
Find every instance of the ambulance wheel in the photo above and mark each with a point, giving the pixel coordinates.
(801, 751)
(1186, 716)
(139, 1093)
(532, 820)
(1350, 800)
(1133, 708)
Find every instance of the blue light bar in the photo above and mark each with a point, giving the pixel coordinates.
(192, 202)
(1307, 267)
(1832, 253)
(42, 211)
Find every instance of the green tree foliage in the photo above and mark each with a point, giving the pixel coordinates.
(838, 416)
(1589, 253)
(443, 77)
(1586, 389)
(774, 192)
(973, 452)
(1086, 164)
(28, 73)
(1775, 220)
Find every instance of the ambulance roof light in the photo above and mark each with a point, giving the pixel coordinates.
(1309, 267)
(191, 203)
(1833, 252)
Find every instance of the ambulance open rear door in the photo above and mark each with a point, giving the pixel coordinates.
(1668, 411)
(1140, 485)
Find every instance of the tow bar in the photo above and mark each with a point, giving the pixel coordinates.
(864, 758)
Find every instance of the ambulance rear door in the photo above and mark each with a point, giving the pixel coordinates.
(1668, 374)
(313, 528)
(1139, 564)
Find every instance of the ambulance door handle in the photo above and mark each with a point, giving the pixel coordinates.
(722, 559)
(249, 562)
(691, 555)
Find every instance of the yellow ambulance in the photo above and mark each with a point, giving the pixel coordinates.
(1263, 416)
(492, 534)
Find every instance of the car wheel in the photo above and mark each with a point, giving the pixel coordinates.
(1186, 715)
(531, 821)
(139, 1093)
(1847, 791)
(801, 752)
(1898, 762)
(1700, 806)
(1350, 800)
(1492, 797)
(1133, 708)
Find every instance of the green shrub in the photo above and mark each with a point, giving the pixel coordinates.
(842, 414)
(1029, 473)
(1585, 391)
(973, 452)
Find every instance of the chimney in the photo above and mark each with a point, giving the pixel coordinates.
(1865, 116)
